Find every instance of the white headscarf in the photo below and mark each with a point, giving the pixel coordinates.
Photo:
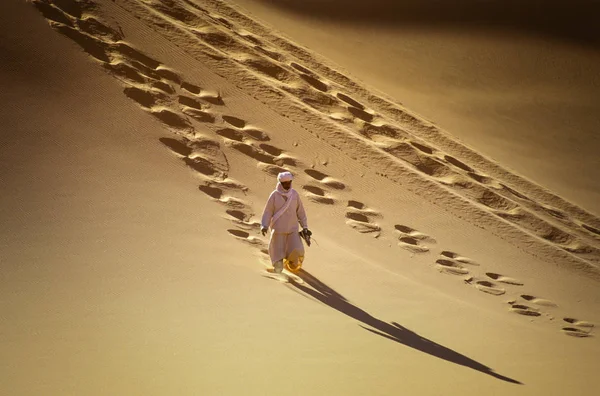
(285, 176)
(289, 194)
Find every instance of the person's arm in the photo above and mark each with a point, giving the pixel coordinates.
(268, 212)
(301, 214)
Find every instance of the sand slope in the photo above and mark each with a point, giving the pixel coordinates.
(147, 274)
(518, 83)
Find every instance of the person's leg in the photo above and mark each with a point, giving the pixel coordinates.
(294, 250)
(277, 250)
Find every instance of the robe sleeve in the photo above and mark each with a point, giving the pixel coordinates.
(268, 212)
(301, 213)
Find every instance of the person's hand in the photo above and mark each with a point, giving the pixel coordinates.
(306, 231)
(263, 230)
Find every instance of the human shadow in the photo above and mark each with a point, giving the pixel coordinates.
(392, 331)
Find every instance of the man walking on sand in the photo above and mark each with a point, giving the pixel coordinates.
(282, 213)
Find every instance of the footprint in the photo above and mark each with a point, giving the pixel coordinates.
(581, 329)
(361, 114)
(504, 279)
(175, 11)
(52, 13)
(372, 131)
(216, 189)
(242, 219)
(362, 209)
(314, 82)
(191, 88)
(236, 122)
(199, 115)
(433, 167)
(412, 239)
(213, 192)
(233, 202)
(222, 21)
(98, 49)
(257, 134)
(238, 214)
(422, 147)
(272, 170)
(350, 101)
(248, 37)
(300, 68)
(317, 100)
(163, 86)
(274, 151)
(172, 119)
(358, 216)
(523, 309)
(124, 71)
(456, 257)
(179, 147)
(575, 332)
(553, 212)
(458, 163)
(168, 74)
(218, 40)
(493, 200)
(318, 195)
(484, 179)
(538, 301)
(591, 229)
(202, 155)
(94, 27)
(190, 102)
(449, 267)
(146, 71)
(75, 9)
(270, 53)
(269, 69)
(231, 134)
(245, 237)
(515, 192)
(253, 152)
(325, 179)
(146, 99)
(286, 160)
(131, 53)
(489, 287)
(204, 166)
(213, 98)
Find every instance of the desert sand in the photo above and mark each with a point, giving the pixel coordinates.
(140, 142)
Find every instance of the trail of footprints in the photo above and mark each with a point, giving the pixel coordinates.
(179, 104)
(221, 37)
(497, 285)
(444, 168)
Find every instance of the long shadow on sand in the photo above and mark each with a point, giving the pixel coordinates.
(392, 331)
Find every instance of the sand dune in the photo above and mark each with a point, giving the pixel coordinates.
(407, 220)
(517, 84)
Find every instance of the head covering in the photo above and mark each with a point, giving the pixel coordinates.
(284, 177)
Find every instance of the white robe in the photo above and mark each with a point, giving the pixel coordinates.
(285, 242)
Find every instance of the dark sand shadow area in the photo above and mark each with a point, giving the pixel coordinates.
(573, 21)
(392, 331)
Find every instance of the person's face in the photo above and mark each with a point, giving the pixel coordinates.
(286, 184)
